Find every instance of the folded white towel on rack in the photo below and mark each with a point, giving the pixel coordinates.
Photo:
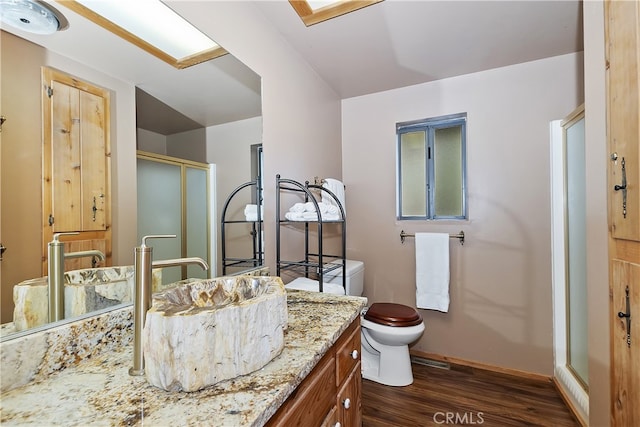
(251, 212)
(310, 216)
(432, 271)
(307, 212)
(298, 207)
(337, 188)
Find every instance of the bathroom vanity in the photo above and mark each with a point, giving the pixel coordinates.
(86, 381)
(332, 391)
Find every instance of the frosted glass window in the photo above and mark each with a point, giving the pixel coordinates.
(413, 175)
(448, 172)
(431, 168)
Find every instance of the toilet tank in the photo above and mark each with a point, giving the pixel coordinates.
(355, 276)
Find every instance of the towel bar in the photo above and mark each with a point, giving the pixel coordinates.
(459, 236)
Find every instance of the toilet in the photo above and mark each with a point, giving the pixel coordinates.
(387, 331)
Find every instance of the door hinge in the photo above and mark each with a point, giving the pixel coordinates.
(49, 91)
(51, 220)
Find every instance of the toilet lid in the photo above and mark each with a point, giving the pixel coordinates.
(386, 313)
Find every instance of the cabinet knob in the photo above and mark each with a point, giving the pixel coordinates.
(346, 403)
(354, 354)
(337, 424)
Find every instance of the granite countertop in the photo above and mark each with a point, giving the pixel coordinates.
(98, 390)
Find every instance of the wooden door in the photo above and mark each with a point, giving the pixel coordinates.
(622, 20)
(76, 167)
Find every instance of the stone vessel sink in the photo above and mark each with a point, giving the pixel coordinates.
(85, 291)
(206, 331)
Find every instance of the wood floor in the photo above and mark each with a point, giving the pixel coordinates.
(463, 396)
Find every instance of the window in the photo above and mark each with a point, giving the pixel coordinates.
(431, 171)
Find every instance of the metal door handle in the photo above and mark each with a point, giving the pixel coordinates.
(627, 316)
(623, 186)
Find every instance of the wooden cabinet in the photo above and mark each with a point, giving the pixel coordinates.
(330, 396)
(622, 22)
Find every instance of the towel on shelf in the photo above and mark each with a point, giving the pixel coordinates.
(251, 212)
(310, 216)
(432, 271)
(337, 188)
(307, 212)
(298, 207)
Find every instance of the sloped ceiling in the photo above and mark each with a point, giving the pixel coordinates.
(397, 43)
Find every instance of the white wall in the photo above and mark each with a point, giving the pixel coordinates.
(500, 312)
(229, 148)
(151, 142)
(189, 145)
(597, 230)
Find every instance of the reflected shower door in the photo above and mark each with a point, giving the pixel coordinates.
(173, 199)
(576, 254)
(160, 211)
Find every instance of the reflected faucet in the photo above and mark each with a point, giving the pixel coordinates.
(143, 263)
(55, 268)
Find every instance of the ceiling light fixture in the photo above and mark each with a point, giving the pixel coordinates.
(32, 16)
(152, 26)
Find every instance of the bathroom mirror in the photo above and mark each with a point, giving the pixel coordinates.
(92, 53)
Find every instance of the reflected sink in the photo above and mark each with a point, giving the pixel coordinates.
(202, 332)
(85, 290)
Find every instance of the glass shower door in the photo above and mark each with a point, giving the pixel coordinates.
(576, 255)
(173, 199)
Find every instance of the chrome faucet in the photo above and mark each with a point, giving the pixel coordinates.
(55, 268)
(143, 263)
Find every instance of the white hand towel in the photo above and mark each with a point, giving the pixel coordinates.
(251, 212)
(432, 271)
(337, 188)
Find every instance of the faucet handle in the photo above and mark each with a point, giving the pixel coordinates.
(69, 233)
(155, 236)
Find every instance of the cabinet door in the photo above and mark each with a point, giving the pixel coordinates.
(311, 403)
(623, 75)
(349, 400)
(625, 336)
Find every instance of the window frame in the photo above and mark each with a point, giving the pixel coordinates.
(429, 126)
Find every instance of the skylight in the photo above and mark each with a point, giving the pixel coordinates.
(152, 26)
(315, 11)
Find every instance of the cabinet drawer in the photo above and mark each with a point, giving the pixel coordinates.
(312, 400)
(348, 351)
(349, 399)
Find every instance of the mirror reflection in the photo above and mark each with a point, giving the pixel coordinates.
(207, 116)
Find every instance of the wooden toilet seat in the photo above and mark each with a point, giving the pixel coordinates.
(390, 314)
